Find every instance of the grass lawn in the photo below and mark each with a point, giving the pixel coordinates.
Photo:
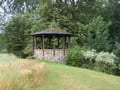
(63, 77)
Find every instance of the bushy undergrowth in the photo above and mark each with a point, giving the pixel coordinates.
(21, 75)
(99, 61)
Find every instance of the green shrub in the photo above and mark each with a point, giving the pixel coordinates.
(75, 57)
(117, 69)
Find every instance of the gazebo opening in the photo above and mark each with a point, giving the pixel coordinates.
(51, 45)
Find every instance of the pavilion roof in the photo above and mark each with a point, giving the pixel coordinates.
(51, 31)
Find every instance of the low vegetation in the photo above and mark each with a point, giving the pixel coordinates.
(21, 75)
(57, 76)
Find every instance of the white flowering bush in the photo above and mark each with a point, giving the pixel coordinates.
(106, 57)
(90, 54)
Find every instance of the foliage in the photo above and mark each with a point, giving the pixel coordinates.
(17, 34)
(97, 34)
(2, 44)
(22, 6)
(75, 57)
(112, 13)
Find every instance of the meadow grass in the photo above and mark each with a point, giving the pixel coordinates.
(7, 58)
(20, 74)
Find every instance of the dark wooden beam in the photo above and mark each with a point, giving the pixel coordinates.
(33, 45)
(35, 42)
(64, 45)
(69, 42)
(54, 45)
(58, 42)
(43, 44)
(65, 41)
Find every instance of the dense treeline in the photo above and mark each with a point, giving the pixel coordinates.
(94, 23)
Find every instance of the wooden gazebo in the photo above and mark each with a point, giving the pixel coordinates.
(51, 45)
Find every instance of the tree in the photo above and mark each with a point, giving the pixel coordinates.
(97, 34)
(17, 34)
(115, 18)
(20, 6)
(112, 13)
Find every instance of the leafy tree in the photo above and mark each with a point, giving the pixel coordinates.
(61, 13)
(17, 34)
(20, 6)
(97, 35)
(115, 27)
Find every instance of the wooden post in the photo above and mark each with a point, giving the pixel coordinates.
(65, 42)
(58, 42)
(64, 45)
(54, 45)
(35, 42)
(43, 44)
(33, 46)
(69, 42)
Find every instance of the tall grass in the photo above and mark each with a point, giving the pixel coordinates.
(7, 58)
(21, 75)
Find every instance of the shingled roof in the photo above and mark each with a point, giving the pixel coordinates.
(51, 31)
